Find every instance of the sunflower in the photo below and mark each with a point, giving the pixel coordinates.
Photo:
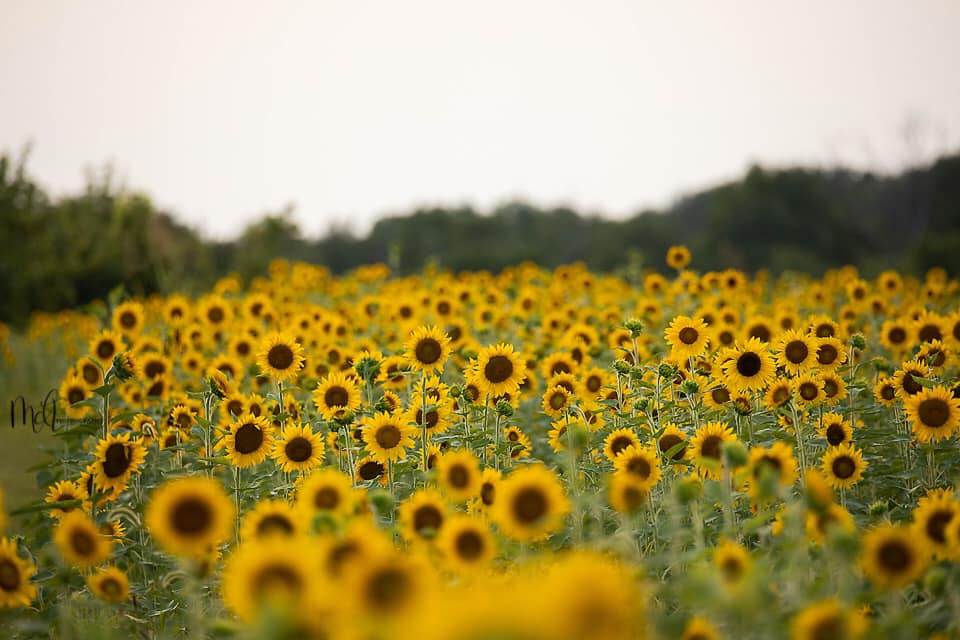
(835, 429)
(105, 345)
(672, 439)
(556, 401)
(834, 388)
(518, 443)
(931, 520)
(892, 556)
(16, 590)
(819, 524)
(80, 542)
(617, 441)
(189, 516)
(830, 353)
(808, 391)
(280, 356)
(796, 352)
(827, 619)
(270, 574)
(466, 543)
(934, 413)
(895, 336)
(558, 363)
(326, 491)
(427, 349)
(885, 391)
(778, 394)
(499, 369)
(335, 395)
(248, 440)
(489, 481)
(732, 562)
(700, 629)
(368, 468)
(707, 446)
(929, 326)
(458, 473)
(530, 504)
(73, 390)
(298, 449)
(270, 518)
(678, 257)
(117, 458)
(687, 337)
(388, 437)
(903, 379)
(776, 460)
(386, 586)
(63, 491)
(423, 514)
(627, 493)
(843, 466)
(128, 318)
(109, 584)
(749, 366)
(640, 462)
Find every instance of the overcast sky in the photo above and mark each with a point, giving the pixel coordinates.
(352, 110)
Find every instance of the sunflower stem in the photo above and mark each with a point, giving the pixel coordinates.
(424, 445)
(236, 493)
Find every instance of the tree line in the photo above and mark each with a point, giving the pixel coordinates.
(68, 251)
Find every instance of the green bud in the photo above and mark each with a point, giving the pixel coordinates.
(622, 367)
(504, 409)
(879, 508)
(857, 341)
(367, 368)
(123, 367)
(688, 489)
(382, 502)
(635, 326)
(936, 580)
(667, 370)
(734, 454)
(882, 365)
(456, 391)
(690, 387)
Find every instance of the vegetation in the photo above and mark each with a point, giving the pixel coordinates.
(63, 252)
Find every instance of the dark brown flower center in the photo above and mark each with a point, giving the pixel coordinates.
(75, 394)
(116, 460)
(796, 351)
(248, 439)
(488, 493)
(827, 354)
(749, 364)
(277, 580)
(106, 349)
(835, 434)
(82, 542)
(619, 444)
(808, 391)
(720, 395)
(370, 469)
(498, 369)
(688, 335)
(274, 523)
(936, 527)
(215, 315)
(843, 467)
(388, 589)
(929, 333)
(336, 396)
(128, 320)
(428, 351)
(191, 516)
(427, 517)
(298, 449)
(830, 387)
(894, 556)
(280, 356)
(388, 436)
(896, 335)
(669, 441)
(933, 412)
(529, 505)
(9, 575)
(470, 545)
(458, 477)
(326, 498)
(888, 392)
(710, 448)
(639, 467)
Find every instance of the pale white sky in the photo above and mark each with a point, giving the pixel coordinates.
(354, 109)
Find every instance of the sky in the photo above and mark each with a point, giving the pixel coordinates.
(353, 110)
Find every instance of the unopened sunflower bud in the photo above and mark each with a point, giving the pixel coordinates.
(504, 409)
(935, 580)
(688, 489)
(734, 454)
(622, 367)
(858, 342)
(382, 502)
(690, 387)
(635, 326)
(456, 391)
(882, 365)
(879, 508)
(123, 366)
(667, 370)
(367, 368)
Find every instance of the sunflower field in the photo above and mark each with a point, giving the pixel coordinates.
(525, 455)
